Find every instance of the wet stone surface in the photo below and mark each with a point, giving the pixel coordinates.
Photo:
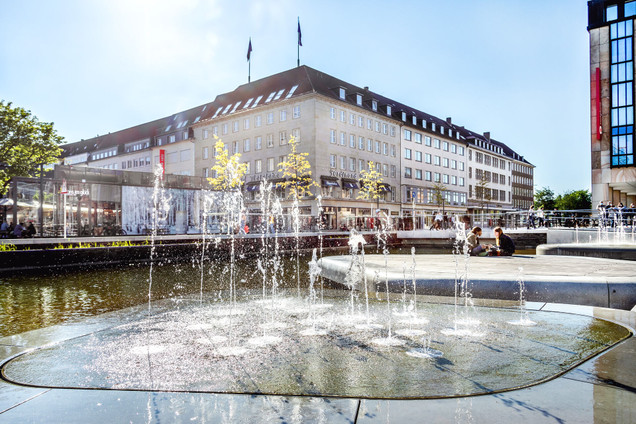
(286, 346)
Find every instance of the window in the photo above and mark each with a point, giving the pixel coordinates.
(369, 124)
(361, 143)
(332, 113)
(171, 138)
(393, 150)
(352, 164)
(205, 134)
(246, 124)
(404, 116)
(270, 164)
(359, 99)
(418, 138)
(343, 139)
(205, 153)
(427, 158)
(385, 149)
(283, 115)
(258, 166)
(418, 156)
(343, 162)
(407, 154)
(630, 8)
(622, 102)
(377, 126)
(418, 174)
(374, 105)
(427, 175)
(388, 110)
(461, 181)
(445, 162)
(270, 118)
(360, 121)
(393, 171)
(453, 179)
(258, 143)
(282, 136)
(270, 141)
(436, 143)
(369, 145)
(235, 126)
(352, 141)
(235, 147)
(246, 145)
(385, 170)
(438, 161)
(611, 13)
(407, 135)
(343, 116)
(342, 93)
(437, 177)
(352, 119)
(427, 141)
(332, 161)
(377, 146)
(332, 136)
(407, 172)
(296, 112)
(445, 179)
(460, 150)
(445, 146)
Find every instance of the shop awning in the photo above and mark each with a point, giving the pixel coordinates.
(384, 187)
(253, 187)
(6, 202)
(329, 182)
(349, 184)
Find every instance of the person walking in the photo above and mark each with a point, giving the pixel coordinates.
(531, 217)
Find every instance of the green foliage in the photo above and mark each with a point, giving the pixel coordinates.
(296, 170)
(545, 198)
(25, 143)
(578, 199)
(438, 193)
(7, 247)
(371, 183)
(229, 171)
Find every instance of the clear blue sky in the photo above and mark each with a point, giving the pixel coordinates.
(516, 68)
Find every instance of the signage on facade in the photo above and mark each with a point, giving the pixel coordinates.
(162, 160)
(342, 174)
(266, 176)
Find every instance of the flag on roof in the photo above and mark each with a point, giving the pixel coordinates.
(300, 34)
(249, 49)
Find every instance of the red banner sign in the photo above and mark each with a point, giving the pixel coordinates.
(162, 160)
(599, 127)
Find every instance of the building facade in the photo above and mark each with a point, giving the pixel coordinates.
(611, 31)
(427, 164)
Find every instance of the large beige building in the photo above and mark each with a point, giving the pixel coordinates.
(427, 164)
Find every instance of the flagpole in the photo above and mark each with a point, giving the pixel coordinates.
(300, 43)
(249, 60)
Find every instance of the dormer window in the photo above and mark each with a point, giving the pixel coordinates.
(423, 123)
(441, 128)
(374, 105)
(359, 99)
(343, 93)
(388, 110)
(404, 116)
(414, 120)
(433, 126)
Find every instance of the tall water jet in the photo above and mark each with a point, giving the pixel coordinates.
(524, 319)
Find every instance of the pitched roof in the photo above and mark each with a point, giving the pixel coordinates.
(274, 88)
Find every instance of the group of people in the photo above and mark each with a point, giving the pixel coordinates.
(17, 231)
(534, 216)
(613, 215)
(504, 246)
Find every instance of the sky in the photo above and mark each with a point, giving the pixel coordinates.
(516, 68)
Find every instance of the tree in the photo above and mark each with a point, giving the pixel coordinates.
(371, 184)
(571, 200)
(483, 192)
(545, 198)
(297, 172)
(26, 144)
(229, 172)
(438, 194)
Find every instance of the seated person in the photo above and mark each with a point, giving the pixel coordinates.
(472, 240)
(504, 244)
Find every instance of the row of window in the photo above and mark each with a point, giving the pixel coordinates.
(247, 122)
(435, 142)
(172, 138)
(104, 154)
(359, 120)
(424, 195)
(359, 143)
(433, 159)
(489, 160)
(436, 177)
(491, 177)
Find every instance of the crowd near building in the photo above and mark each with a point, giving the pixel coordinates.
(611, 30)
(427, 164)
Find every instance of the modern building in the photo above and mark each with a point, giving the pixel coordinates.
(611, 29)
(427, 164)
